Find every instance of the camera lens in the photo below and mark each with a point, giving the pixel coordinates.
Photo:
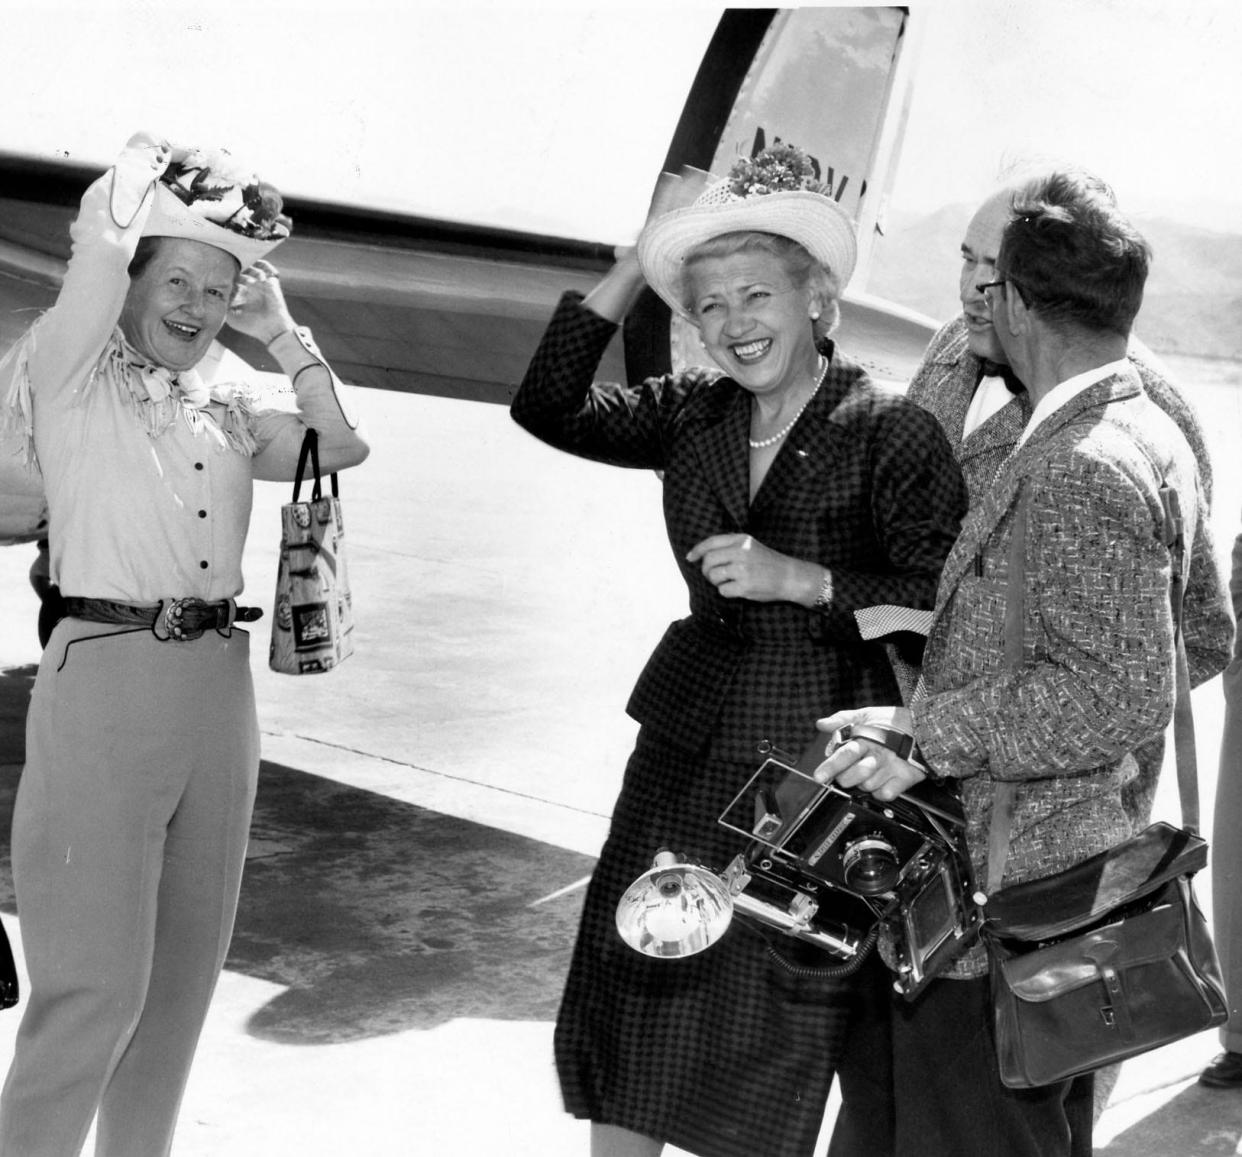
(870, 865)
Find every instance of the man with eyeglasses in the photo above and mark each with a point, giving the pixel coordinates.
(1078, 502)
(966, 381)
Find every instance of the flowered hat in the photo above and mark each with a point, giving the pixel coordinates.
(773, 192)
(208, 197)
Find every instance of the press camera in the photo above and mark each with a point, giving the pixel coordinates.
(831, 866)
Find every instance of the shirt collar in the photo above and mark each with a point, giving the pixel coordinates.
(1065, 392)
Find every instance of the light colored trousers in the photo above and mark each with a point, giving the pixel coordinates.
(129, 836)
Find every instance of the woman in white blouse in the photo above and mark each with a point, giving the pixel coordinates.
(131, 820)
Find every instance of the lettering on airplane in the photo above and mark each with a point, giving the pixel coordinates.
(835, 190)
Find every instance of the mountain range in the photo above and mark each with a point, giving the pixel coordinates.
(1192, 305)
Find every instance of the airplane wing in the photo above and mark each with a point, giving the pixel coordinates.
(396, 302)
(434, 306)
(449, 308)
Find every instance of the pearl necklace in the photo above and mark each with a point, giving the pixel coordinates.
(763, 443)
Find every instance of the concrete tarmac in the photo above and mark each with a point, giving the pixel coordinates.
(429, 812)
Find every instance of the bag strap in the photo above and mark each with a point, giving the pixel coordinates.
(1006, 791)
(1005, 795)
(1184, 750)
(310, 449)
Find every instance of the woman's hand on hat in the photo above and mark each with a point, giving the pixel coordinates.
(160, 151)
(150, 142)
(258, 307)
(141, 163)
(619, 288)
(672, 191)
(741, 567)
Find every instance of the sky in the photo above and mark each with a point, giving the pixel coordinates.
(555, 117)
(1144, 92)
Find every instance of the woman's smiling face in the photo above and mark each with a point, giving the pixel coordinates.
(753, 319)
(178, 303)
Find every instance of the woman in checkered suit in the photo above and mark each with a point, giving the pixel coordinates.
(795, 493)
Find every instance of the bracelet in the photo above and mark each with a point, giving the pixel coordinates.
(282, 333)
(901, 743)
(823, 600)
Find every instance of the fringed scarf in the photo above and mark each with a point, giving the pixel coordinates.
(157, 397)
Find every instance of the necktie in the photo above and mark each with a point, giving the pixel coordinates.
(989, 369)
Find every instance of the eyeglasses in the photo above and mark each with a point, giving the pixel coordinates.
(986, 285)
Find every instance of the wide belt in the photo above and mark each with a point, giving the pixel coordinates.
(171, 620)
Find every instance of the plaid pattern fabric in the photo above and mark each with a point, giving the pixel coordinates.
(731, 1053)
(1097, 630)
(944, 385)
(897, 626)
(865, 484)
(876, 622)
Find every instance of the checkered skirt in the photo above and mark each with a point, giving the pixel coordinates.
(729, 1053)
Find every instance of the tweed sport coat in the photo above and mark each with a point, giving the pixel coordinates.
(944, 384)
(1097, 677)
(865, 484)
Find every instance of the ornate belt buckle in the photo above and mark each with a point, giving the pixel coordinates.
(171, 620)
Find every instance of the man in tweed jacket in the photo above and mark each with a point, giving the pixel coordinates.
(1096, 677)
(966, 382)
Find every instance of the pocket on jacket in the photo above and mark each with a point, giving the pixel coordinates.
(680, 690)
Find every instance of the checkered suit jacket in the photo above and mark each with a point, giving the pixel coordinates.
(1098, 675)
(944, 385)
(865, 485)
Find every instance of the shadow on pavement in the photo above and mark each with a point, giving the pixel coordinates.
(1198, 1122)
(380, 916)
(375, 916)
(15, 685)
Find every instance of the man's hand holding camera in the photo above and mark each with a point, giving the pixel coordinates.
(865, 763)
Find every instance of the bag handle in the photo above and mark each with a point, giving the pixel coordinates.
(1174, 538)
(310, 449)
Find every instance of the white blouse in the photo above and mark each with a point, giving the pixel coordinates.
(148, 474)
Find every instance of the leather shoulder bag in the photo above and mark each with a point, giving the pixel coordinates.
(1112, 957)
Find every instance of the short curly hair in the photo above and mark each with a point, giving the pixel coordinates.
(1072, 256)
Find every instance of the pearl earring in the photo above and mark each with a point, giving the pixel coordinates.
(815, 315)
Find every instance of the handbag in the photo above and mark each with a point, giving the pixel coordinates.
(1110, 958)
(313, 627)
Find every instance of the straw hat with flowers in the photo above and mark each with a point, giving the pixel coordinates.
(773, 192)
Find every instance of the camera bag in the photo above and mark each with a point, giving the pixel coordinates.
(1112, 957)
